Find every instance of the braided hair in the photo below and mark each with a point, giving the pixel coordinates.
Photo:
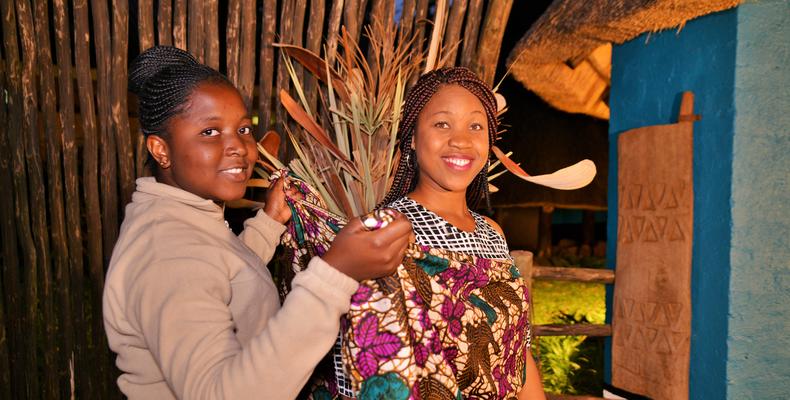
(163, 78)
(407, 173)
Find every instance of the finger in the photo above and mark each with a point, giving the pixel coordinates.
(397, 229)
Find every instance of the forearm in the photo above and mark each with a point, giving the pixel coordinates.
(262, 235)
(533, 388)
(184, 317)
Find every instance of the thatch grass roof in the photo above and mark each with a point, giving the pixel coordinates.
(565, 57)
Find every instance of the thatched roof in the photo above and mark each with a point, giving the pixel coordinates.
(565, 57)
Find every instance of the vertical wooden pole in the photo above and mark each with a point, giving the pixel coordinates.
(12, 292)
(351, 18)
(544, 231)
(233, 41)
(315, 30)
(165, 23)
(247, 56)
(18, 227)
(35, 184)
(474, 16)
(407, 18)
(108, 180)
(145, 23)
(71, 182)
(333, 31)
(86, 359)
(54, 374)
(283, 80)
(211, 14)
(180, 24)
(195, 37)
(297, 32)
(453, 32)
(120, 108)
(7, 233)
(491, 41)
(266, 68)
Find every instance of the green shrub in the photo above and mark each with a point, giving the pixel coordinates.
(569, 364)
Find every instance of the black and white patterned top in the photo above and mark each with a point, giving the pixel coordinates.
(434, 231)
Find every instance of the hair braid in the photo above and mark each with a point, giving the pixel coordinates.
(163, 78)
(406, 175)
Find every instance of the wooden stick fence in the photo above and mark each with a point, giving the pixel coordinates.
(70, 150)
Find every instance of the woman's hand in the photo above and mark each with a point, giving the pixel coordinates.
(276, 207)
(363, 254)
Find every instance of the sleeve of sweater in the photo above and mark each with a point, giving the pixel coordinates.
(183, 314)
(262, 235)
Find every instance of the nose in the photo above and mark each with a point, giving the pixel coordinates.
(460, 138)
(234, 145)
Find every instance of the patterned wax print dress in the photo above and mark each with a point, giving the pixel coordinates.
(451, 323)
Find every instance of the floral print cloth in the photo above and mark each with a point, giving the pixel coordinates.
(445, 326)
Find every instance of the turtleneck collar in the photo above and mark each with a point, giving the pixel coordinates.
(149, 189)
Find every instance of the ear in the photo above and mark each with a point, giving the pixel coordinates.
(413, 146)
(158, 148)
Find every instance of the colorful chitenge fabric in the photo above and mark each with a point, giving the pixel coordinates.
(445, 326)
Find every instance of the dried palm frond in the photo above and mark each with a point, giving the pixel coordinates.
(347, 148)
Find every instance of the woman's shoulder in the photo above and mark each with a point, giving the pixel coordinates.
(493, 225)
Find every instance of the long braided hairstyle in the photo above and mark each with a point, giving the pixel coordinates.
(163, 78)
(406, 175)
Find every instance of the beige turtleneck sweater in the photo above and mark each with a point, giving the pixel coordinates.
(192, 312)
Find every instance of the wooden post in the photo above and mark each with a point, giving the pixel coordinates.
(11, 295)
(452, 34)
(180, 24)
(29, 134)
(211, 13)
(247, 56)
(120, 109)
(407, 18)
(145, 24)
(266, 68)
(351, 19)
(195, 35)
(313, 43)
(86, 358)
(233, 41)
(333, 31)
(544, 231)
(71, 183)
(165, 23)
(54, 374)
(283, 80)
(488, 47)
(108, 180)
(474, 16)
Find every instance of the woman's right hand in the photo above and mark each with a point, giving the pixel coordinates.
(363, 254)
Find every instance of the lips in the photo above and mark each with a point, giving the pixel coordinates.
(236, 173)
(458, 162)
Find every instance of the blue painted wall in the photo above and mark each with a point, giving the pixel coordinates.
(758, 364)
(649, 74)
(738, 65)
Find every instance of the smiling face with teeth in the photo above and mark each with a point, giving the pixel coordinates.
(451, 141)
(209, 147)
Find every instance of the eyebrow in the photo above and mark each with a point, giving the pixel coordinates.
(450, 112)
(212, 118)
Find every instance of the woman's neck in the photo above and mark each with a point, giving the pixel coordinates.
(449, 205)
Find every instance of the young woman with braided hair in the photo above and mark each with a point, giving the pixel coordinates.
(189, 307)
(460, 327)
